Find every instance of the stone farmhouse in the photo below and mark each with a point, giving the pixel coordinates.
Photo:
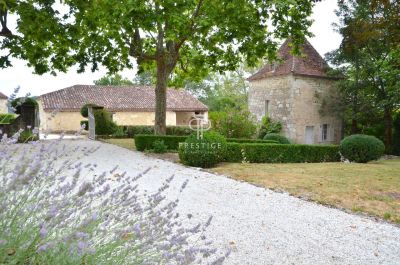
(292, 91)
(130, 105)
(3, 103)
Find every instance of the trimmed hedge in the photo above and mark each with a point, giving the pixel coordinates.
(276, 137)
(250, 141)
(205, 152)
(145, 142)
(281, 153)
(361, 148)
(132, 131)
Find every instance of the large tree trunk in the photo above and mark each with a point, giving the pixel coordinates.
(160, 127)
(388, 128)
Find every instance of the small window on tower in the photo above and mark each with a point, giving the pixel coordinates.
(324, 132)
(266, 107)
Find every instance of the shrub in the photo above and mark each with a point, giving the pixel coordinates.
(7, 118)
(233, 123)
(26, 101)
(85, 124)
(104, 123)
(145, 142)
(205, 152)
(238, 140)
(119, 132)
(268, 126)
(159, 147)
(85, 110)
(281, 153)
(27, 136)
(277, 137)
(361, 148)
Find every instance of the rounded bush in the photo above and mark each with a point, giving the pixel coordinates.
(277, 137)
(205, 152)
(104, 123)
(85, 111)
(361, 148)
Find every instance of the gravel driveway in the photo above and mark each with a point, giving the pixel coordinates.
(261, 226)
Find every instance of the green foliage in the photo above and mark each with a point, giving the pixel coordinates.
(368, 58)
(27, 101)
(113, 80)
(205, 152)
(131, 131)
(119, 132)
(396, 135)
(27, 136)
(159, 147)
(7, 118)
(104, 123)
(250, 141)
(145, 142)
(233, 123)
(281, 153)
(361, 148)
(267, 126)
(277, 137)
(86, 123)
(85, 111)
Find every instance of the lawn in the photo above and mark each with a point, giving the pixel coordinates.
(372, 188)
(127, 143)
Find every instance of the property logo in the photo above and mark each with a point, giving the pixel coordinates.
(199, 124)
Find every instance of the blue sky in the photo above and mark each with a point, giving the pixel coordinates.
(325, 40)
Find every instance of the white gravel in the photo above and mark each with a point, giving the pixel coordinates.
(261, 226)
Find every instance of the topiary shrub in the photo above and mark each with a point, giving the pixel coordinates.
(159, 147)
(205, 152)
(84, 110)
(361, 148)
(277, 137)
(267, 126)
(145, 142)
(104, 123)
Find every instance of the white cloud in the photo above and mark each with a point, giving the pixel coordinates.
(21, 75)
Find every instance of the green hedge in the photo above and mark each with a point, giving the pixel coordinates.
(132, 131)
(281, 153)
(145, 142)
(250, 141)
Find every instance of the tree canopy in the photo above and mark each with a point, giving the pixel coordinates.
(369, 57)
(113, 80)
(179, 40)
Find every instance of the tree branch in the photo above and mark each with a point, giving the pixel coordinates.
(136, 48)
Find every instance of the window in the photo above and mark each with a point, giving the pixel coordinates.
(266, 107)
(324, 135)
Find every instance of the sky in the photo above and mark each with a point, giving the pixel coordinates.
(325, 39)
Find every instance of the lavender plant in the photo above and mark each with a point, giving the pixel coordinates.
(57, 209)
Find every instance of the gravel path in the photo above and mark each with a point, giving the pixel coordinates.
(261, 226)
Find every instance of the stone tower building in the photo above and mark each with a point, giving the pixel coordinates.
(292, 91)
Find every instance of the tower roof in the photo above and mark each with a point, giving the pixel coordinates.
(310, 63)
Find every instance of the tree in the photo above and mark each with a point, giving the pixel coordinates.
(113, 80)
(371, 51)
(180, 39)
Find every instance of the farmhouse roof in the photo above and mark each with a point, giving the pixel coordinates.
(118, 98)
(310, 63)
(2, 96)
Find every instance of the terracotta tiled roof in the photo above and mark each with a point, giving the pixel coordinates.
(2, 96)
(310, 63)
(118, 98)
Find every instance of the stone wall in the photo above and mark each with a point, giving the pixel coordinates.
(296, 102)
(3, 106)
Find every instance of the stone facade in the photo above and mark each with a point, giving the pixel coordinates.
(3, 106)
(296, 101)
(70, 120)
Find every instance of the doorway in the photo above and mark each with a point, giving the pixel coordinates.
(309, 135)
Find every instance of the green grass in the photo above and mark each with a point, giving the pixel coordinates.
(372, 188)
